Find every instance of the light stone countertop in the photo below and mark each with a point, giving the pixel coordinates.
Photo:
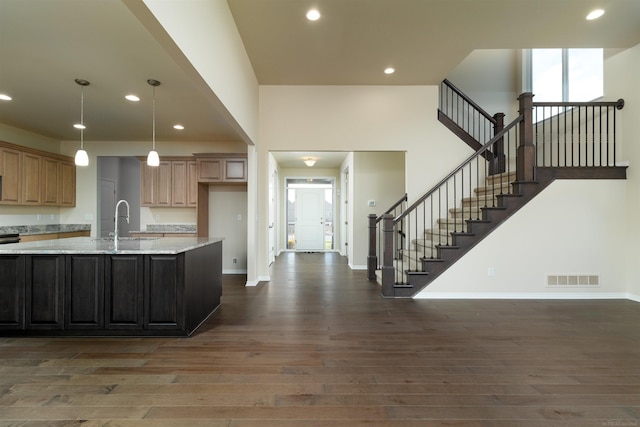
(90, 245)
(26, 230)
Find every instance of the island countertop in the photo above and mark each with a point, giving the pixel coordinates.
(126, 245)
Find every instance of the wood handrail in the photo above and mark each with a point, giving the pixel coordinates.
(619, 104)
(395, 205)
(484, 148)
(469, 101)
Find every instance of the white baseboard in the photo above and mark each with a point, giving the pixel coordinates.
(634, 297)
(357, 267)
(260, 279)
(526, 295)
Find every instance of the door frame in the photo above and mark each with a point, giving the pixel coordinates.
(285, 212)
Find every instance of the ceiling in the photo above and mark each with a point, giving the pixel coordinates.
(46, 44)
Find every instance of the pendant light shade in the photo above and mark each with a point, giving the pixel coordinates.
(152, 158)
(82, 158)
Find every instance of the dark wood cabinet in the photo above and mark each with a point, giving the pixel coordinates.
(164, 288)
(110, 293)
(44, 305)
(124, 292)
(12, 292)
(84, 292)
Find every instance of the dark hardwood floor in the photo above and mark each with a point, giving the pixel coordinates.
(318, 346)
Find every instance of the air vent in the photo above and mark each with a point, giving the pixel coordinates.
(571, 280)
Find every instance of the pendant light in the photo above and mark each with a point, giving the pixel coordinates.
(82, 159)
(153, 159)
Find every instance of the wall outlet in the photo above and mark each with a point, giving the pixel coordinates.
(239, 217)
(235, 260)
(491, 272)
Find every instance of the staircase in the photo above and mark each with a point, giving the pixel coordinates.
(512, 166)
(466, 225)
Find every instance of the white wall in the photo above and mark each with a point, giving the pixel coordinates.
(574, 227)
(379, 177)
(228, 219)
(621, 81)
(354, 118)
(206, 34)
(489, 77)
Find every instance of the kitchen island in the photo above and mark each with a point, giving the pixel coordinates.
(95, 287)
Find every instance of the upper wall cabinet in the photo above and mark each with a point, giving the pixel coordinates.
(11, 172)
(222, 168)
(169, 185)
(175, 182)
(33, 178)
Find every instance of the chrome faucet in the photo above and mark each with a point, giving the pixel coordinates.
(115, 219)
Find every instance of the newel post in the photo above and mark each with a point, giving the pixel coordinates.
(388, 270)
(526, 160)
(372, 258)
(498, 164)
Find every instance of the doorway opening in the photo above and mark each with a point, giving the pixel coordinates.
(310, 214)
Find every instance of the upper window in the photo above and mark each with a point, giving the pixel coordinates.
(568, 75)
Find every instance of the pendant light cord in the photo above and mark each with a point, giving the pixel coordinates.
(82, 117)
(154, 119)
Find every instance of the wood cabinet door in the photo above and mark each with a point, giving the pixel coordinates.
(124, 292)
(67, 184)
(164, 184)
(84, 292)
(44, 291)
(149, 185)
(31, 179)
(179, 183)
(50, 181)
(210, 170)
(192, 184)
(12, 290)
(11, 176)
(164, 290)
(235, 170)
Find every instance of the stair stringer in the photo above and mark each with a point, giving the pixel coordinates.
(477, 230)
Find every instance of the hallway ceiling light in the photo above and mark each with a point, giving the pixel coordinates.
(5, 97)
(309, 161)
(178, 127)
(153, 159)
(82, 158)
(389, 70)
(132, 98)
(595, 14)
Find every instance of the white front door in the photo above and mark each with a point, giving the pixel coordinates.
(309, 219)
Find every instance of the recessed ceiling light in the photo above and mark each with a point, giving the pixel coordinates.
(133, 98)
(178, 127)
(389, 70)
(595, 14)
(313, 15)
(79, 126)
(5, 97)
